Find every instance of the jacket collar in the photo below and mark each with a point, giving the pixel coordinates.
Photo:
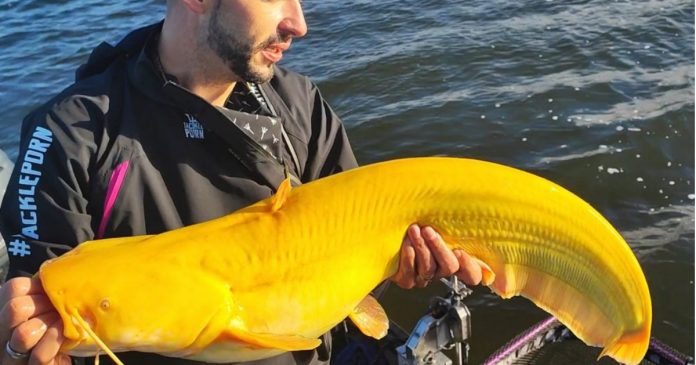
(145, 72)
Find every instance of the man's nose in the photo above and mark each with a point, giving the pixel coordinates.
(293, 23)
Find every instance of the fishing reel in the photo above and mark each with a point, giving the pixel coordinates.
(446, 326)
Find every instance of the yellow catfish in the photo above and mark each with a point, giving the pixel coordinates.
(276, 275)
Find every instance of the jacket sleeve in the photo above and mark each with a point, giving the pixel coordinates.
(45, 211)
(329, 150)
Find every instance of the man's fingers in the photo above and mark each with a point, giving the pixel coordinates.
(28, 334)
(470, 271)
(446, 262)
(426, 265)
(20, 309)
(406, 272)
(20, 286)
(22, 298)
(47, 348)
(63, 359)
(425, 256)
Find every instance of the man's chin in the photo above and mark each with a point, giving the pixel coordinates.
(260, 78)
(258, 73)
(268, 75)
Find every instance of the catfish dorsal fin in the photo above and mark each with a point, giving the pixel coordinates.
(279, 198)
(370, 318)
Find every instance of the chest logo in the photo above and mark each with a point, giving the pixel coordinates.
(193, 128)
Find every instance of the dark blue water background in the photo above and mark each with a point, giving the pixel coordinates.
(595, 95)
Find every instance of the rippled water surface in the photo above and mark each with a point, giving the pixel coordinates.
(595, 95)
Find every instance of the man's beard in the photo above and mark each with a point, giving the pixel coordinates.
(236, 53)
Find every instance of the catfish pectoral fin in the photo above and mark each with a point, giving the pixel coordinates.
(370, 318)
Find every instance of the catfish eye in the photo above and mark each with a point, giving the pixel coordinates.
(105, 304)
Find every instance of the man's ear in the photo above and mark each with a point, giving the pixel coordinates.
(197, 6)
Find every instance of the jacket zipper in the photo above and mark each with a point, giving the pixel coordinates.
(114, 187)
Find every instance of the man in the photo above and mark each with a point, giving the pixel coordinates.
(181, 122)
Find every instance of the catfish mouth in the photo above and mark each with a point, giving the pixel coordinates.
(86, 326)
(72, 329)
(55, 297)
(76, 330)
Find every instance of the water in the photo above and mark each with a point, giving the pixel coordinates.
(595, 95)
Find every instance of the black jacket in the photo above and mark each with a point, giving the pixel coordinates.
(125, 152)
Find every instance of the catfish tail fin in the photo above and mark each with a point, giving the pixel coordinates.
(630, 348)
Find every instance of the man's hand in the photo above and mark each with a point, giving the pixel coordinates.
(425, 257)
(29, 324)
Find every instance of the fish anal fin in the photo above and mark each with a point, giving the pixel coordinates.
(580, 314)
(273, 341)
(370, 318)
(281, 195)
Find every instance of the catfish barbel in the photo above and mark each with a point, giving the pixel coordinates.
(274, 276)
